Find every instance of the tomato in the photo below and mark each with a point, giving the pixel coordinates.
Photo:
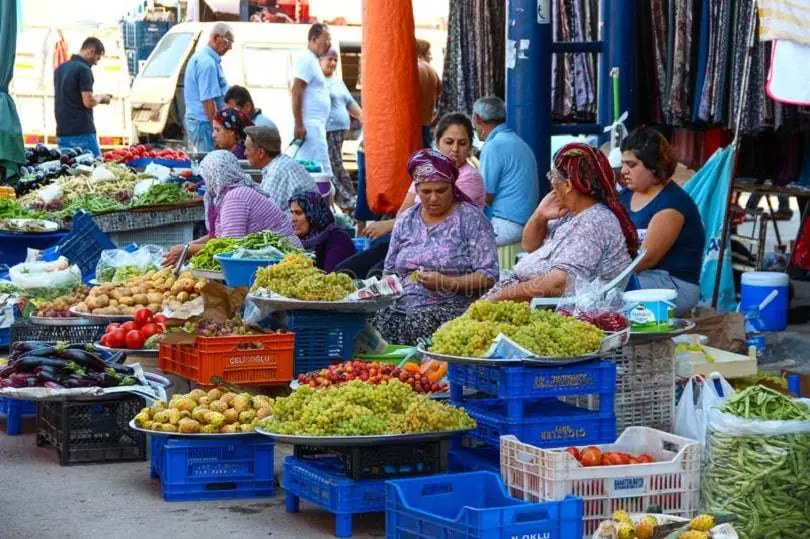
(143, 317)
(591, 456)
(134, 340)
(645, 458)
(111, 327)
(159, 319)
(103, 340)
(634, 460)
(615, 459)
(574, 452)
(150, 329)
(117, 338)
(623, 457)
(128, 326)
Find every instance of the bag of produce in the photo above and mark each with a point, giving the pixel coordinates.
(116, 265)
(691, 414)
(590, 305)
(46, 280)
(757, 457)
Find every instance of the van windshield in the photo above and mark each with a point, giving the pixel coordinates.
(168, 57)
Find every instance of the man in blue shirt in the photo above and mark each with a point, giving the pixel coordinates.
(509, 169)
(205, 88)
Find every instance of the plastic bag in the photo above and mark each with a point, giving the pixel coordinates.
(266, 253)
(691, 414)
(757, 469)
(46, 280)
(589, 304)
(116, 265)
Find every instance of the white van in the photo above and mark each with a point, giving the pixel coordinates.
(32, 85)
(262, 60)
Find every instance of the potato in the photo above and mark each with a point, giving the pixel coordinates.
(198, 286)
(83, 307)
(182, 297)
(141, 299)
(115, 294)
(177, 287)
(102, 300)
(138, 289)
(124, 291)
(154, 297)
(193, 296)
(127, 301)
(113, 303)
(154, 307)
(106, 287)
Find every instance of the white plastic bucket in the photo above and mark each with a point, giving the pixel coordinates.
(650, 310)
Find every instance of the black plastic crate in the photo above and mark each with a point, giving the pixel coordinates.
(95, 430)
(79, 334)
(395, 460)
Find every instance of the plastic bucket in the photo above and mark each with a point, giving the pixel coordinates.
(323, 182)
(650, 310)
(240, 271)
(756, 287)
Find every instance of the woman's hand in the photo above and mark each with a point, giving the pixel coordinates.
(172, 256)
(432, 280)
(550, 207)
(378, 229)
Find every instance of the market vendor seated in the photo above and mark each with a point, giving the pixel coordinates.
(443, 250)
(314, 224)
(668, 220)
(234, 206)
(229, 131)
(579, 231)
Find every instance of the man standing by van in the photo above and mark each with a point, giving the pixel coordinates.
(205, 88)
(74, 99)
(311, 100)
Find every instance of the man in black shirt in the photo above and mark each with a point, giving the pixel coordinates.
(73, 89)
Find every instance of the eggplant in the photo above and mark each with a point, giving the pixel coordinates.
(78, 382)
(53, 385)
(32, 381)
(30, 363)
(122, 369)
(83, 358)
(18, 380)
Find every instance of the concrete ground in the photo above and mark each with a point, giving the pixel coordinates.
(41, 499)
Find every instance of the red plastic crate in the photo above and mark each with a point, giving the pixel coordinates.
(221, 356)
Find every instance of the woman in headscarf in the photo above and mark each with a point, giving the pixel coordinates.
(235, 206)
(229, 131)
(580, 230)
(314, 224)
(442, 249)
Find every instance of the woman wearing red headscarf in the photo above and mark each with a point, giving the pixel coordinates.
(442, 249)
(580, 230)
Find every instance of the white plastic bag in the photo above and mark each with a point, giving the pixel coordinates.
(101, 174)
(691, 415)
(117, 265)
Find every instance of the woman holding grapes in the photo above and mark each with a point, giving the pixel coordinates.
(580, 230)
(443, 250)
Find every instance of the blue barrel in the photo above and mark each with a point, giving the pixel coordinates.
(756, 287)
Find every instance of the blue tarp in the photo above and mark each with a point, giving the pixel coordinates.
(708, 188)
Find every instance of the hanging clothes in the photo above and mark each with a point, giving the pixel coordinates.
(61, 54)
(573, 79)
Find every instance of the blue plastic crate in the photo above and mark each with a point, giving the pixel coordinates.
(144, 34)
(479, 459)
(240, 271)
(323, 483)
(14, 410)
(204, 469)
(14, 246)
(474, 505)
(546, 423)
(362, 243)
(322, 338)
(83, 245)
(534, 382)
(5, 337)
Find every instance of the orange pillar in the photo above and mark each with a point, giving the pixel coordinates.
(391, 131)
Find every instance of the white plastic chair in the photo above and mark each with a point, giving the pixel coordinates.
(620, 281)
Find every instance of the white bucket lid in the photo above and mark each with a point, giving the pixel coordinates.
(765, 278)
(652, 294)
(320, 177)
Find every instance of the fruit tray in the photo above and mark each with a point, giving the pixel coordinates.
(349, 441)
(138, 352)
(215, 435)
(279, 303)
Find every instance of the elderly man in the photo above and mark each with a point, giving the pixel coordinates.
(509, 169)
(311, 99)
(281, 175)
(205, 87)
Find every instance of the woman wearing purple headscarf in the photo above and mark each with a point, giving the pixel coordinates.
(443, 250)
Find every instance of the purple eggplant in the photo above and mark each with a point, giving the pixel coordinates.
(53, 385)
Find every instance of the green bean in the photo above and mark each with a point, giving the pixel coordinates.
(204, 259)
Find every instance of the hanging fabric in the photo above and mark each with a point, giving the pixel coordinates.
(573, 79)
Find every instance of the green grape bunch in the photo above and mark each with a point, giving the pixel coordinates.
(297, 277)
(542, 332)
(362, 409)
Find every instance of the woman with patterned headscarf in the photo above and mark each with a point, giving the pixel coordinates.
(229, 131)
(442, 249)
(235, 206)
(580, 230)
(314, 224)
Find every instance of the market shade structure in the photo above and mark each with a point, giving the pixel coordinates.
(12, 148)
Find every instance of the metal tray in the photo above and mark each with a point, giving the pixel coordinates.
(488, 361)
(679, 326)
(189, 435)
(127, 351)
(209, 274)
(104, 318)
(286, 304)
(62, 322)
(348, 441)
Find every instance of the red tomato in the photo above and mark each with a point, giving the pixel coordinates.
(573, 451)
(134, 340)
(159, 319)
(143, 317)
(111, 327)
(645, 458)
(150, 329)
(634, 460)
(591, 456)
(623, 457)
(128, 326)
(103, 340)
(615, 459)
(117, 338)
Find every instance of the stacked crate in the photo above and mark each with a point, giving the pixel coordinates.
(527, 402)
(140, 39)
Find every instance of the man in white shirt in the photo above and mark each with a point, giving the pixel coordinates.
(311, 99)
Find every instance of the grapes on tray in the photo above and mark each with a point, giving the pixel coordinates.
(297, 277)
(372, 373)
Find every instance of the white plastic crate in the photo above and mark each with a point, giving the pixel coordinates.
(673, 481)
(163, 236)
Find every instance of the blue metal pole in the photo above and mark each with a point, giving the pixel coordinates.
(619, 18)
(528, 78)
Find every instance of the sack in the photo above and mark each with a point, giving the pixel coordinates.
(45, 280)
(691, 414)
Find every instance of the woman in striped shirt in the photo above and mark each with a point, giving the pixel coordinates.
(234, 206)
